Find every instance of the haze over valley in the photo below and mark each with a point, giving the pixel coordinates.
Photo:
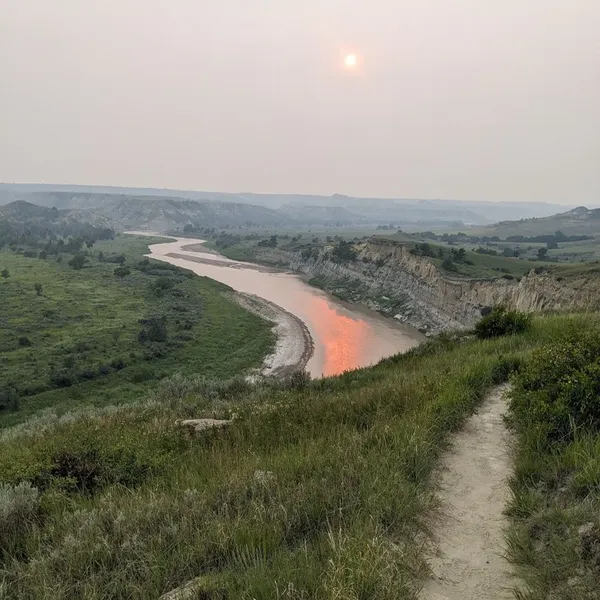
(299, 300)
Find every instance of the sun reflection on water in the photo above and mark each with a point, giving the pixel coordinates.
(343, 338)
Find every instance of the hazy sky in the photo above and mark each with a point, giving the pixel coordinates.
(466, 99)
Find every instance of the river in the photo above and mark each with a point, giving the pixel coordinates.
(345, 336)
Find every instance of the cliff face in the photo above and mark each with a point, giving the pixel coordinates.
(387, 277)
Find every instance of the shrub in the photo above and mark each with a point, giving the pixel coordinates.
(298, 380)
(118, 363)
(449, 265)
(141, 374)
(24, 342)
(62, 378)
(343, 251)
(558, 389)
(501, 321)
(78, 261)
(154, 330)
(104, 370)
(162, 285)
(87, 374)
(122, 272)
(9, 398)
(19, 509)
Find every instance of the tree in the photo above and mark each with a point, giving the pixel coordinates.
(78, 261)
(189, 228)
(38, 288)
(90, 244)
(552, 245)
(344, 251)
(5, 273)
(459, 255)
(448, 264)
(542, 253)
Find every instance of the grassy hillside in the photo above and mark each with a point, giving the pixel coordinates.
(317, 490)
(578, 221)
(105, 333)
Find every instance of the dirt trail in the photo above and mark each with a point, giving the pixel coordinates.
(469, 563)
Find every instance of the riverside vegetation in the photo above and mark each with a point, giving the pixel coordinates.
(317, 490)
(93, 322)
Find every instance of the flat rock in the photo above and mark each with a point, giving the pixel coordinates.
(200, 425)
(192, 589)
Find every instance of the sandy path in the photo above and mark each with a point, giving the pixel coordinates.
(469, 564)
(294, 346)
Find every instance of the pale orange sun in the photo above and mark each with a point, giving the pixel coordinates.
(350, 61)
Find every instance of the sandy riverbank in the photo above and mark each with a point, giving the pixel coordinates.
(294, 346)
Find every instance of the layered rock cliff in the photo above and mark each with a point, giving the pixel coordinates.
(388, 278)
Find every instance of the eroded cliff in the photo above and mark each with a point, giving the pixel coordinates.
(388, 278)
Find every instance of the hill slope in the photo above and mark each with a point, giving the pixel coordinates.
(373, 209)
(161, 214)
(578, 221)
(26, 213)
(154, 213)
(323, 489)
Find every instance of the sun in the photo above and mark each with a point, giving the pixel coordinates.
(351, 61)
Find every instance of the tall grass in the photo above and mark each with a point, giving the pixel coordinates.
(555, 507)
(323, 492)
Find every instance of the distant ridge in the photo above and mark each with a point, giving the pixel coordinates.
(300, 209)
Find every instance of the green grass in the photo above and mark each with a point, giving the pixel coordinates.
(318, 491)
(82, 330)
(555, 505)
(490, 267)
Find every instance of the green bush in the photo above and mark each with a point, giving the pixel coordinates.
(63, 378)
(140, 374)
(559, 388)
(118, 363)
(122, 272)
(501, 321)
(154, 329)
(24, 341)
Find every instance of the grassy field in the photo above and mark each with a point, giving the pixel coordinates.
(88, 336)
(484, 266)
(317, 490)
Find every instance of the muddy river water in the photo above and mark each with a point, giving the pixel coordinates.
(345, 336)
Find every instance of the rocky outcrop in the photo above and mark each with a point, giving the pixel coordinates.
(388, 278)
